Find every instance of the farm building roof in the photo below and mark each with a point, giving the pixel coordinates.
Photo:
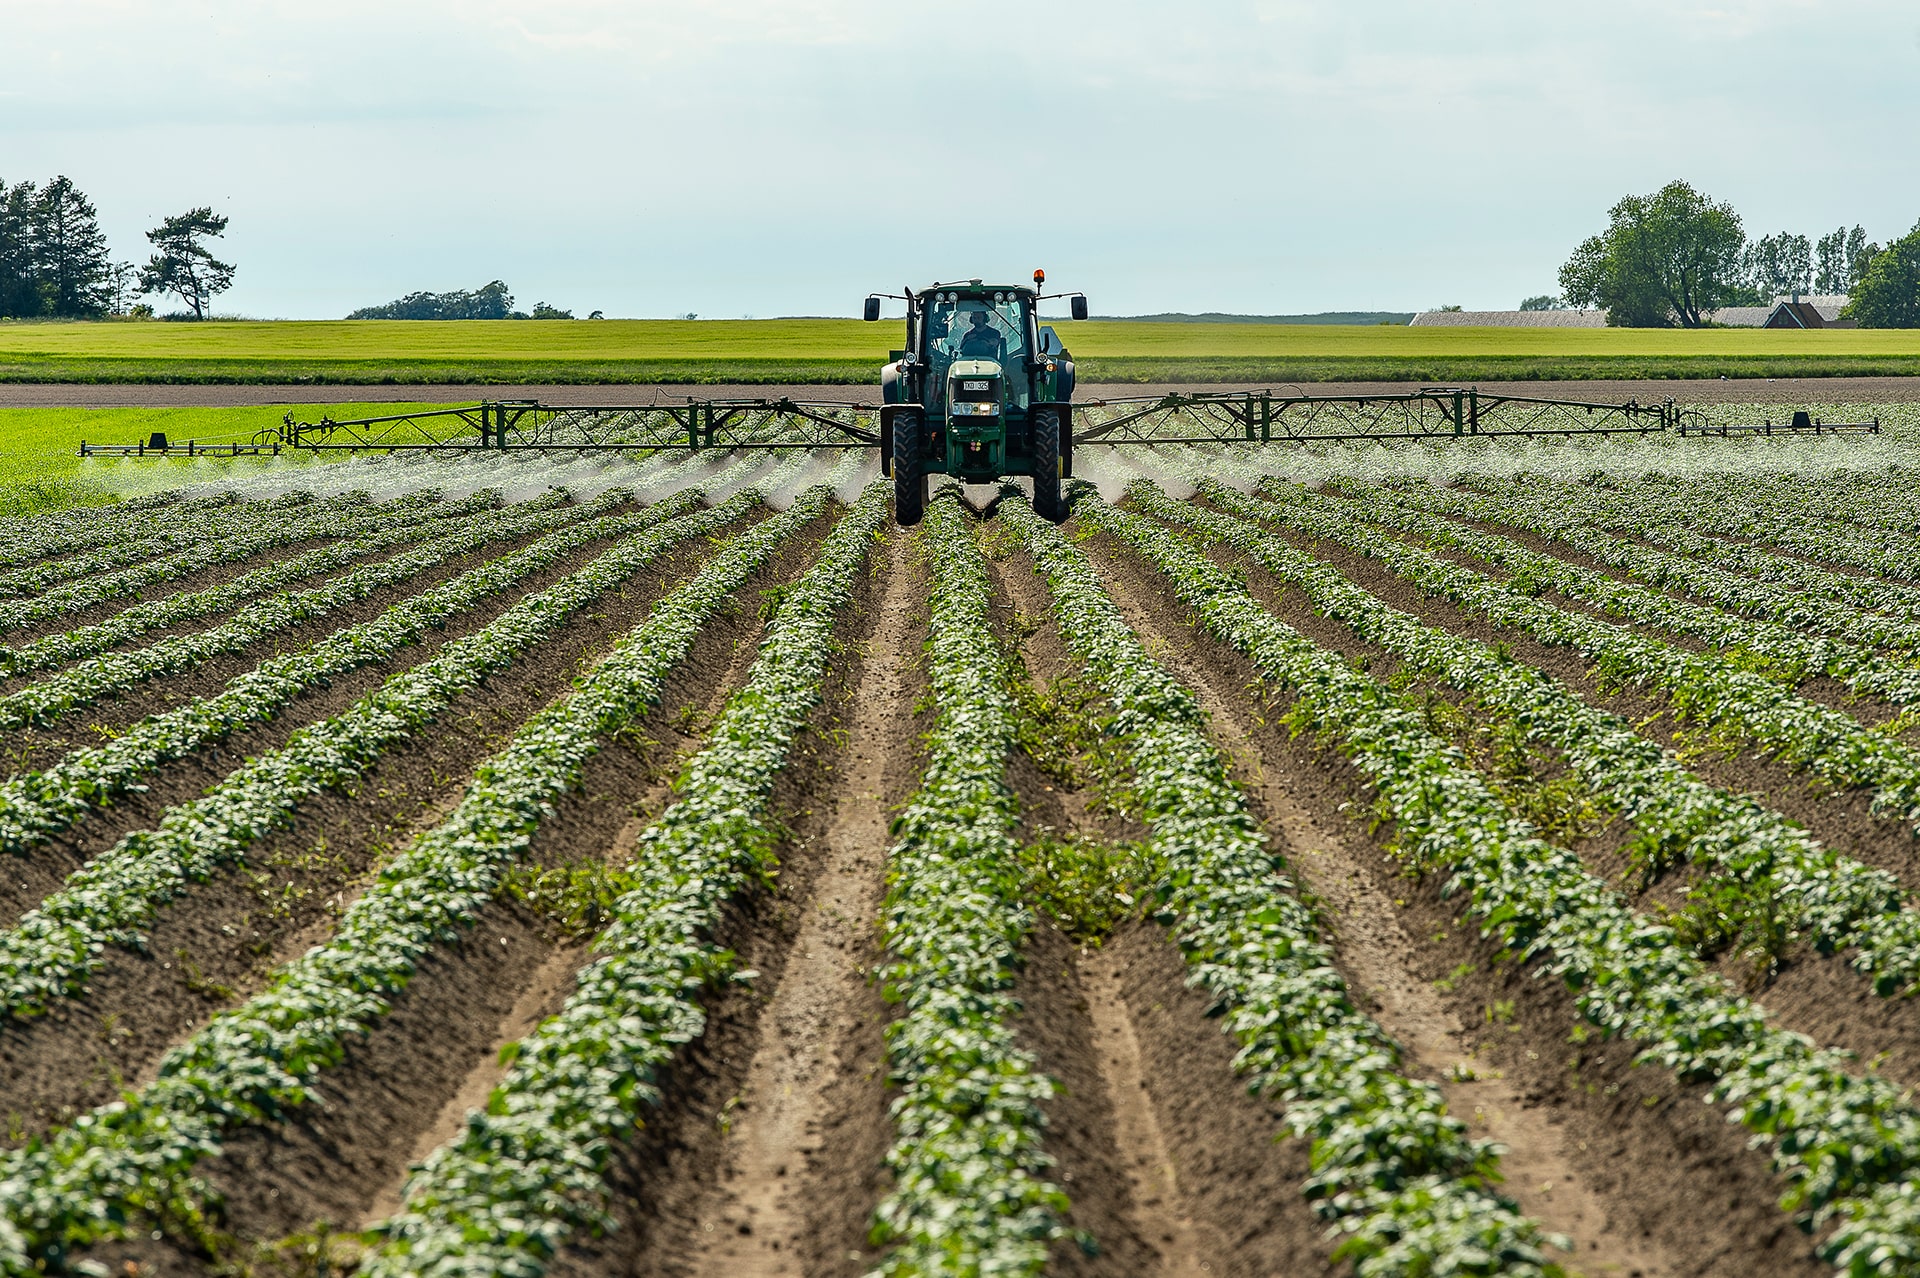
(1814, 310)
(1513, 319)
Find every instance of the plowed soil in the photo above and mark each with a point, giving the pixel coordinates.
(765, 1155)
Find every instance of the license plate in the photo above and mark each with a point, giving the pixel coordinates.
(976, 386)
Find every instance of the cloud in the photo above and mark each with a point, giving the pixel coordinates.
(725, 156)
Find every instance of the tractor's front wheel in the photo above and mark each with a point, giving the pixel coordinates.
(909, 479)
(1047, 501)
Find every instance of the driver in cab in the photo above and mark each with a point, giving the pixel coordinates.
(982, 340)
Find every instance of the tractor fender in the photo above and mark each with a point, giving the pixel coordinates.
(1062, 377)
(890, 390)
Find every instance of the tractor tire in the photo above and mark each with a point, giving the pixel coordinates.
(1047, 500)
(909, 480)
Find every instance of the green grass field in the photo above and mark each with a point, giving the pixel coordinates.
(40, 466)
(849, 351)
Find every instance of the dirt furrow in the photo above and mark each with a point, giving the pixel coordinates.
(800, 1159)
(707, 1161)
(220, 940)
(24, 880)
(1171, 1167)
(1818, 995)
(329, 1165)
(26, 749)
(1625, 1160)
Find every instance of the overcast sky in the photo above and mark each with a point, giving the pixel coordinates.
(777, 157)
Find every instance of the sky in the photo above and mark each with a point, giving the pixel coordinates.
(786, 157)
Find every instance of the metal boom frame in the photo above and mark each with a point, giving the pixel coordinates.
(1261, 416)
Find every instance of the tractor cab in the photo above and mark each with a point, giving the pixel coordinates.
(980, 391)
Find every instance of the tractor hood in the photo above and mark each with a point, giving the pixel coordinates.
(973, 368)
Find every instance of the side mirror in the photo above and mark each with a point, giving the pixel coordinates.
(873, 309)
(1079, 306)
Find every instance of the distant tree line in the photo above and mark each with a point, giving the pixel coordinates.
(488, 302)
(54, 262)
(1674, 257)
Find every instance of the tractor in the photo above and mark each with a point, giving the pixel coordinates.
(982, 391)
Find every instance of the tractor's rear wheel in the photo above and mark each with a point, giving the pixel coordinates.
(1047, 501)
(909, 479)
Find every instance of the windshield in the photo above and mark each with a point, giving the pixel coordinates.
(990, 327)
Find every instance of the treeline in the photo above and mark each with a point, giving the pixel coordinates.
(53, 257)
(1672, 258)
(489, 302)
(54, 262)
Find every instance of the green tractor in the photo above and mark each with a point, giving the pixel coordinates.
(982, 390)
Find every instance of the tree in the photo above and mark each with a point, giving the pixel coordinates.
(1889, 295)
(71, 268)
(1779, 265)
(18, 295)
(491, 301)
(1665, 258)
(1542, 302)
(184, 266)
(542, 311)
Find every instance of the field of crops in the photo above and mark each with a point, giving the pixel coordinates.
(1404, 862)
(848, 350)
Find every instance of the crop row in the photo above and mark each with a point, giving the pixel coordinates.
(1836, 901)
(42, 536)
(183, 606)
(38, 804)
(1398, 1176)
(54, 947)
(1780, 651)
(135, 1157)
(1883, 612)
(1792, 611)
(252, 539)
(1848, 1145)
(528, 1168)
(969, 1194)
(1890, 554)
(47, 699)
(1704, 686)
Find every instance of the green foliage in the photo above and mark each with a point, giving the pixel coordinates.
(525, 1174)
(259, 1060)
(1889, 295)
(1408, 1191)
(53, 257)
(182, 264)
(1667, 258)
(1848, 1146)
(1090, 886)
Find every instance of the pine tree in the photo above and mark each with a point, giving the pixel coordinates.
(72, 270)
(19, 298)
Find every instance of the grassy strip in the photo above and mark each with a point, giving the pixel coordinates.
(123, 627)
(968, 1195)
(528, 1169)
(1771, 879)
(134, 1158)
(36, 805)
(55, 947)
(1848, 1145)
(1424, 368)
(47, 699)
(1399, 1178)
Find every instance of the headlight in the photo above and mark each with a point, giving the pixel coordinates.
(975, 410)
